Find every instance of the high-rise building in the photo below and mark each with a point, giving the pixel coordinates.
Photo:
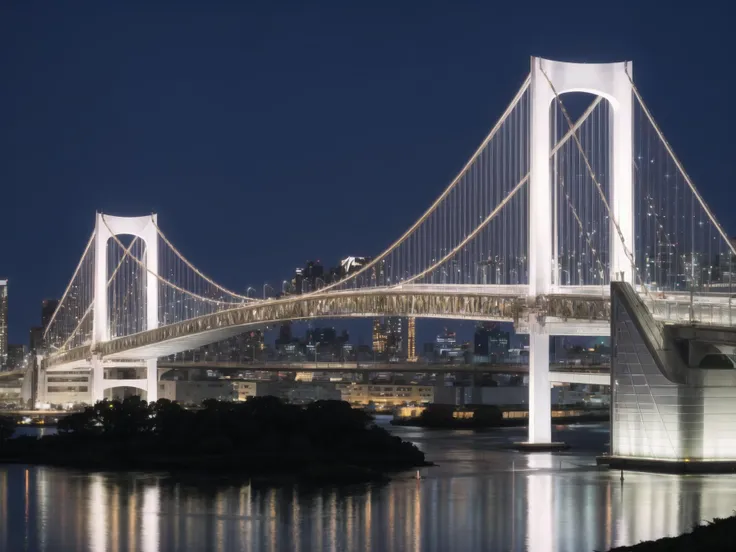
(48, 308)
(309, 278)
(16, 355)
(498, 343)
(445, 344)
(36, 339)
(480, 339)
(394, 335)
(379, 336)
(411, 340)
(3, 324)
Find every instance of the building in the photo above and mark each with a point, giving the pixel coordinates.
(194, 392)
(379, 337)
(498, 344)
(388, 336)
(35, 339)
(11, 391)
(63, 389)
(394, 336)
(3, 324)
(304, 393)
(411, 339)
(389, 395)
(480, 338)
(446, 346)
(16, 357)
(48, 308)
(309, 278)
(350, 265)
(243, 347)
(244, 390)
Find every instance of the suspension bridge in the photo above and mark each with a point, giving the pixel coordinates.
(544, 216)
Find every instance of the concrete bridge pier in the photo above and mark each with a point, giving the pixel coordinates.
(540, 408)
(540, 394)
(152, 380)
(97, 373)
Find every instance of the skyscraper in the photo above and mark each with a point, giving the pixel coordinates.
(3, 324)
(48, 308)
(411, 340)
(379, 336)
(394, 335)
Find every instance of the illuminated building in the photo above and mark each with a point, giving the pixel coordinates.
(385, 395)
(3, 323)
(309, 278)
(411, 340)
(379, 336)
(388, 336)
(394, 336)
(445, 345)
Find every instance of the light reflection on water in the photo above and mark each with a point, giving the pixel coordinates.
(478, 498)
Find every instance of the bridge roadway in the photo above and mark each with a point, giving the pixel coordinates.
(570, 310)
(559, 373)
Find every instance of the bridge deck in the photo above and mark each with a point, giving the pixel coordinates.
(570, 310)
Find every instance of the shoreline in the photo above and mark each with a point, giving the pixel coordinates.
(234, 467)
(717, 535)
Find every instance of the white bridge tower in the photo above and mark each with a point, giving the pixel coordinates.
(144, 228)
(610, 81)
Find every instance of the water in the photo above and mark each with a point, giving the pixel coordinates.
(478, 498)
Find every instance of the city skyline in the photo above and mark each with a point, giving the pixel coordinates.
(126, 149)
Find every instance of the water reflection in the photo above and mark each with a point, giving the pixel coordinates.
(479, 498)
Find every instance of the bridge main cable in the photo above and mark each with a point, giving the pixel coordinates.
(503, 203)
(445, 193)
(162, 280)
(679, 165)
(69, 285)
(195, 269)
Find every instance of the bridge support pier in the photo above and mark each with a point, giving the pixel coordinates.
(97, 371)
(540, 407)
(152, 380)
(540, 391)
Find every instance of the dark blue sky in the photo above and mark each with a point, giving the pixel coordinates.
(268, 133)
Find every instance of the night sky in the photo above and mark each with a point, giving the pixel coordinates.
(265, 134)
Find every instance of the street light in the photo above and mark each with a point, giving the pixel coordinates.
(266, 285)
(248, 291)
(285, 287)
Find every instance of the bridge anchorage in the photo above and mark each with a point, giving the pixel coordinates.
(546, 214)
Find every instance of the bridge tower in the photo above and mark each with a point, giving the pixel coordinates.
(106, 227)
(548, 79)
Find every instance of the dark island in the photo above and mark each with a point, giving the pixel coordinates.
(717, 536)
(262, 439)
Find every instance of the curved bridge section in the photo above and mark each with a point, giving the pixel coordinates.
(174, 338)
(498, 303)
